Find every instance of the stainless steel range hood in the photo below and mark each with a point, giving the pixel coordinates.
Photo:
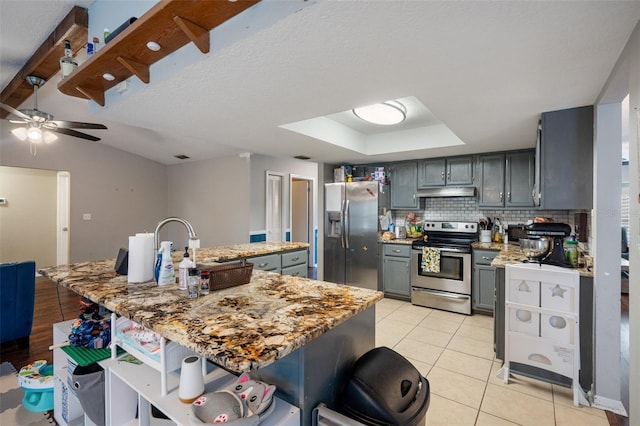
(463, 191)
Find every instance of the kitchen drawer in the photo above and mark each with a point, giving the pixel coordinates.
(484, 257)
(294, 258)
(401, 250)
(269, 262)
(296, 270)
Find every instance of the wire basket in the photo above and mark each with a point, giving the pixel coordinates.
(229, 274)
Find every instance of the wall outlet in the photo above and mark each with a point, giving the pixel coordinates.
(3, 200)
(86, 216)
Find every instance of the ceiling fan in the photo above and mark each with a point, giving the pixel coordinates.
(40, 124)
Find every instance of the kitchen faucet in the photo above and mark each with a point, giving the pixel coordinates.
(194, 241)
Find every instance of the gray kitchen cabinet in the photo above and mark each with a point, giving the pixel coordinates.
(404, 184)
(566, 159)
(396, 270)
(491, 180)
(519, 178)
(586, 335)
(506, 179)
(294, 263)
(270, 262)
(483, 282)
(445, 171)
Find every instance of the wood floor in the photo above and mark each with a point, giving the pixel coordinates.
(54, 304)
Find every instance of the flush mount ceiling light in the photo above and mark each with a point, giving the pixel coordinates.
(108, 76)
(153, 46)
(385, 113)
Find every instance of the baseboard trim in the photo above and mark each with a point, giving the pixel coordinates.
(609, 405)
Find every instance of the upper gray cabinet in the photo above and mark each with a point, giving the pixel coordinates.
(445, 171)
(519, 177)
(506, 179)
(566, 159)
(404, 186)
(491, 180)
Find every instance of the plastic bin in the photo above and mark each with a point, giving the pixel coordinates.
(384, 388)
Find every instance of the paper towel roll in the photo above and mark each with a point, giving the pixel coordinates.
(141, 258)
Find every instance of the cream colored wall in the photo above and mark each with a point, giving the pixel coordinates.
(28, 220)
(123, 192)
(213, 195)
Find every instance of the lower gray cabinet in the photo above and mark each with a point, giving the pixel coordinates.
(483, 281)
(396, 270)
(270, 262)
(294, 263)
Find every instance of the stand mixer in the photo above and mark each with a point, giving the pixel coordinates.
(557, 232)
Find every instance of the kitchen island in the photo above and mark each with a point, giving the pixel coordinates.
(299, 334)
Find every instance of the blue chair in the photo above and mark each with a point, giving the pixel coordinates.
(17, 298)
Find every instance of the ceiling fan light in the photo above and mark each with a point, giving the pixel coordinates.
(49, 137)
(385, 113)
(20, 133)
(34, 134)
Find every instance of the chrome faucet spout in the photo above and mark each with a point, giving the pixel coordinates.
(190, 231)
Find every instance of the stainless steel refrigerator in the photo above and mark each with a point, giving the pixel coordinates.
(351, 232)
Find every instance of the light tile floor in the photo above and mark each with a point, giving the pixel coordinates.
(455, 353)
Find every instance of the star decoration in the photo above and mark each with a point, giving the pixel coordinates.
(558, 291)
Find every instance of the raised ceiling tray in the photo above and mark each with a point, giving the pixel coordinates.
(170, 23)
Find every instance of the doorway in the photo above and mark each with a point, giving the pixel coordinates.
(274, 215)
(33, 215)
(302, 213)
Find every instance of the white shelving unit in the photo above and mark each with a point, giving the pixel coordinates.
(541, 321)
(130, 386)
(132, 389)
(67, 410)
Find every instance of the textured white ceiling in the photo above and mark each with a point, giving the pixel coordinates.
(485, 69)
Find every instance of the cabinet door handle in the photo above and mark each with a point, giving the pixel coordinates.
(396, 251)
(294, 259)
(509, 195)
(486, 258)
(501, 196)
(442, 176)
(262, 265)
(449, 176)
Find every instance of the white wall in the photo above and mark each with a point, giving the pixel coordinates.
(260, 164)
(124, 193)
(28, 220)
(625, 78)
(213, 195)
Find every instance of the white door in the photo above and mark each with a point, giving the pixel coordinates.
(63, 205)
(274, 210)
(302, 217)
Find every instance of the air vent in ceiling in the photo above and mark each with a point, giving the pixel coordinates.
(302, 157)
(182, 157)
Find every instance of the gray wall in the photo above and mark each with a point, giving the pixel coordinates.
(28, 220)
(213, 195)
(124, 193)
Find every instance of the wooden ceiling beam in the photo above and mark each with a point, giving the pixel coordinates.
(45, 62)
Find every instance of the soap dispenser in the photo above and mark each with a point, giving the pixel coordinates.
(183, 270)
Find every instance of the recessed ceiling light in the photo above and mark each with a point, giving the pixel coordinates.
(152, 45)
(385, 113)
(302, 157)
(108, 76)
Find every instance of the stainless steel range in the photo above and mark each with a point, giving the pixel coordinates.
(450, 287)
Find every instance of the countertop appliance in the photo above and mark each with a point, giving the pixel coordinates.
(450, 288)
(558, 232)
(515, 232)
(351, 232)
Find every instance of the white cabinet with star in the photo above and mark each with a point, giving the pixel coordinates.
(542, 322)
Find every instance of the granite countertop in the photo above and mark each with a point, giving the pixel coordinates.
(240, 328)
(238, 251)
(512, 253)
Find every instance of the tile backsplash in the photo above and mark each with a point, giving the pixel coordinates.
(466, 209)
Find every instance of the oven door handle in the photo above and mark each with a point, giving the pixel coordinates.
(441, 294)
(448, 252)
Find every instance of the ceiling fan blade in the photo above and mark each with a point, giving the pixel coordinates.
(74, 133)
(76, 125)
(18, 121)
(15, 112)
